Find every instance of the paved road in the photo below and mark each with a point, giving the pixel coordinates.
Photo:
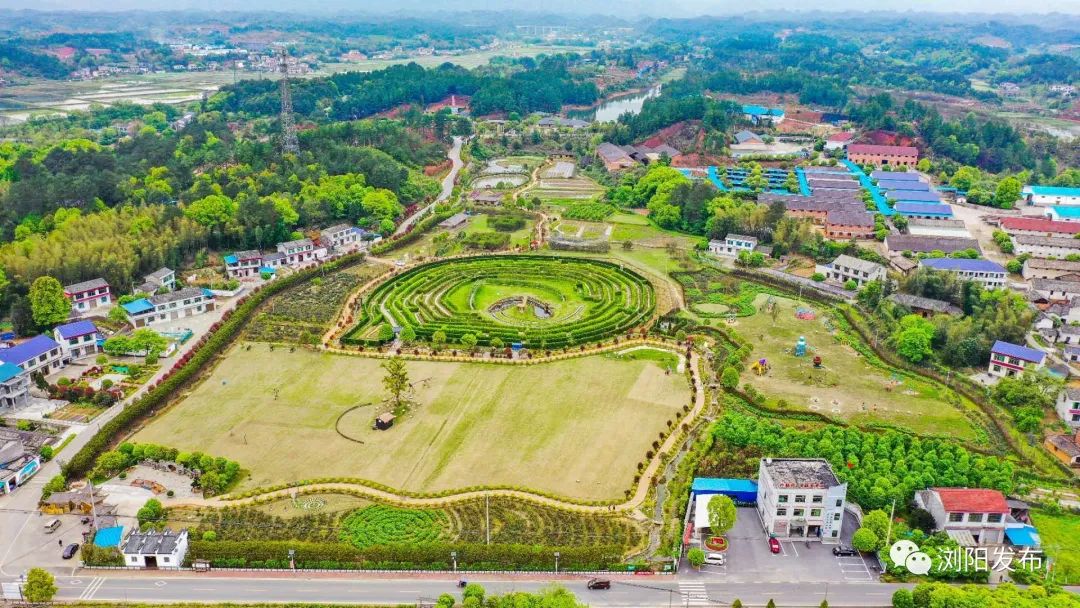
(643, 592)
(447, 188)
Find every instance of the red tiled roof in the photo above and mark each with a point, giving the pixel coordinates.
(972, 500)
(1040, 225)
(875, 149)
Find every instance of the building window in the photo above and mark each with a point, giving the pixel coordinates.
(816, 499)
(165, 559)
(839, 502)
(800, 498)
(836, 517)
(782, 498)
(835, 533)
(781, 512)
(994, 518)
(815, 512)
(134, 559)
(956, 517)
(975, 517)
(797, 512)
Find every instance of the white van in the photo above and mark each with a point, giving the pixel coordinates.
(715, 559)
(51, 526)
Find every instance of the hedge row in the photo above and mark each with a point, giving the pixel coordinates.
(431, 556)
(417, 231)
(188, 367)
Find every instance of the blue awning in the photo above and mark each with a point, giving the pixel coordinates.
(1023, 536)
(109, 537)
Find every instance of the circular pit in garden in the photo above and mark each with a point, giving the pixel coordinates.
(540, 301)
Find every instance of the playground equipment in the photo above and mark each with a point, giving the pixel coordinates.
(806, 314)
(800, 347)
(760, 366)
(817, 361)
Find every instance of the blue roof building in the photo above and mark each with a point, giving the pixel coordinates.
(1050, 195)
(906, 176)
(742, 490)
(963, 264)
(40, 353)
(109, 537)
(1024, 535)
(925, 210)
(913, 196)
(77, 329)
(9, 371)
(1064, 214)
(1008, 360)
(137, 307)
(907, 185)
(78, 340)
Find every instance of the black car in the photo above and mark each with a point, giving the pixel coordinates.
(844, 552)
(70, 551)
(599, 583)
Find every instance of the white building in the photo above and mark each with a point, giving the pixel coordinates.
(38, 354)
(847, 268)
(1068, 406)
(1041, 268)
(162, 278)
(1056, 289)
(1050, 195)
(153, 549)
(78, 340)
(14, 386)
(1008, 360)
(800, 499)
(732, 245)
(1045, 246)
(88, 295)
(299, 253)
(990, 274)
(969, 515)
(171, 306)
(339, 237)
(243, 264)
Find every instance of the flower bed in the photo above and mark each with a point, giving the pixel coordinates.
(716, 543)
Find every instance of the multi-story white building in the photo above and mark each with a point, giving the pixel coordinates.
(243, 264)
(162, 278)
(171, 306)
(1050, 195)
(800, 499)
(990, 274)
(14, 386)
(298, 253)
(1008, 360)
(732, 245)
(88, 295)
(963, 511)
(847, 268)
(339, 237)
(38, 354)
(1045, 246)
(78, 340)
(1068, 406)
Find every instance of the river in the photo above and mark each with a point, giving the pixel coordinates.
(611, 109)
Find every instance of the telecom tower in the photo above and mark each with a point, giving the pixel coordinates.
(289, 143)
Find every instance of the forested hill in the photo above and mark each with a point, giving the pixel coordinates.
(523, 86)
(15, 58)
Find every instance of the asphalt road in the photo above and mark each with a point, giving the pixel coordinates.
(447, 187)
(642, 592)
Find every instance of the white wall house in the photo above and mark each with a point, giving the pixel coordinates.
(171, 306)
(38, 354)
(962, 511)
(301, 252)
(160, 278)
(1008, 360)
(243, 264)
(339, 236)
(1068, 407)
(1050, 195)
(800, 498)
(88, 295)
(78, 340)
(990, 274)
(732, 245)
(153, 549)
(14, 386)
(1045, 246)
(847, 268)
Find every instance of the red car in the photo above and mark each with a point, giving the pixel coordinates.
(774, 545)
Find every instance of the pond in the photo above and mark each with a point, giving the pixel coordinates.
(611, 109)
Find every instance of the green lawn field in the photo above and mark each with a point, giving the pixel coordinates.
(846, 386)
(1060, 535)
(577, 428)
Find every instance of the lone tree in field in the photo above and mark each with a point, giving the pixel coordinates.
(396, 380)
(721, 514)
(40, 586)
(48, 303)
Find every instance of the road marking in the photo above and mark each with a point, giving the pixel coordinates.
(794, 549)
(160, 583)
(92, 588)
(75, 581)
(694, 593)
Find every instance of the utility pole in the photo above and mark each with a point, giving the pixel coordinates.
(289, 143)
(892, 512)
(93, 505)
(487, 516)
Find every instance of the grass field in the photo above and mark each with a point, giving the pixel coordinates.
(846, 386)
(1060, 536)
(577, 428)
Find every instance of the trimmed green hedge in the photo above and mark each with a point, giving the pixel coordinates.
(188, 367)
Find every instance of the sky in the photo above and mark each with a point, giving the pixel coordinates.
(626, 8)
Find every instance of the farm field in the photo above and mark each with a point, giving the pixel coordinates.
(552, 184)
(562, 427)
(1060, 535)
(847, 386)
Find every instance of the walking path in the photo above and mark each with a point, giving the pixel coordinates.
(447, 188)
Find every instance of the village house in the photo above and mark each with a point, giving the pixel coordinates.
(844, 224)
(883, 156)
(924, 307)
(847, 268)
(1035, 226)
(454, 221)
(1043, 196)
(1045, 246)
(1068, 334)
(762, 114)
(902, 264)
(1072, 353)
(900, 243)
(937, 227)
(1008, 360)
(77, 340)
(19, 459)
(1068, 406)
(14, 386)
(732, 245)
(556, 122)
(83, 500)
(339, 237)
(88, 295)
(1042, 268)
(838, 141)
(923, 210)
(155, 549)
(243, 264)
(1055, 290)
(840, 213)
(971, 516)
(162, 308)
(38, 354)
(749, 138)
(614, 157)
(800, 499)
(162, 279)
(1065, 447)
(990, 274)
(299, 252)
(492, 198)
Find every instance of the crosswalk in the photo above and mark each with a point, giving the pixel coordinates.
(693, 593)
(91, 589)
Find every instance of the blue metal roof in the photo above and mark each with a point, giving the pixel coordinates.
(138, 306)
(914, 196)
(1065, 212)
(906, 185)
(1020, 352)
(38, 345)
(716, 484)
(909, 208)
(1051, 190)
(896, 176)
(754, 110)
(76, 329)
(109, 537)
(9, 371)
(230, 259)
(1024, 536)
(962, 264)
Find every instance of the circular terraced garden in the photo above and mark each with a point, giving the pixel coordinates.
(541, 301)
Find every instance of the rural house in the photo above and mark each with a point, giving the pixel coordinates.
(243, 264)
(1041, 268)
(847, 268)
(614, 157)
(88, 295)
(1007, 359)
(990, 274)
(162, 308)
(800, 499)
(339, 237)
(1055, 290)
(19, 461)
(925, 307)
(299, 252)
(160, 279)
(732, 245)
(891, 156)
(1065, 447)
(78, 340)
(155, 549)
(38, 354)
(961, 512)
(1068, 406)
(14, 386)
(1050, 195)
(1045, 246)
(900, 243)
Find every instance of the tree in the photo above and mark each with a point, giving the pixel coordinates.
(1008, 192)
(851, 285)
(151, 513)
(865, 540)
(771, 604)
(791, 183)
(696, 557)
(913, 338)
(729, 377)
(212, 211)
(386, 332)
(721, 514)
(48, 303)
(56, 484)
(118, 315)
(40, 586)
(877, 521)
(468, 341)
(901, 598)
(408, 335)
(396, 380)
(438, 339)
(110, 463)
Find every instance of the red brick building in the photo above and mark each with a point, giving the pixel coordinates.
(891, 156)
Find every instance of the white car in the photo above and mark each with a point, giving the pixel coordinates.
(715, 559)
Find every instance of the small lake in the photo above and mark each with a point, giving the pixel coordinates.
(612, 109)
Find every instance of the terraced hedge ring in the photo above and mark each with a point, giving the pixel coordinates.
(542, 301)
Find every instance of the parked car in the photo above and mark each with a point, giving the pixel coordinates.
(85, 520)
(715, 559)
(51, 525)
(70, 551)
(844, 552)
(774, 545)
(599, 583)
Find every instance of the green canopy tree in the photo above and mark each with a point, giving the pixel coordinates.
(40, 586)
(48, 304)
(721, 514)
(396, 380)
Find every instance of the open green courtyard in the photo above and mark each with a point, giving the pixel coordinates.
(846, 385)
(577, 428)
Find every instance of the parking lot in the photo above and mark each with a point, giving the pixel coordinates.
(749, 559)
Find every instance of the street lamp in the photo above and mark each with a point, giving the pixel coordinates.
(556, 562)
(453, 557)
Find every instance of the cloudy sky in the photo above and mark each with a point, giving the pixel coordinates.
(676, 8)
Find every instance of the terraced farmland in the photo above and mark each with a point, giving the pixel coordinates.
(547, 302)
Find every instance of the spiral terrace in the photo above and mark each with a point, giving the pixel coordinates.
(541, 301)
